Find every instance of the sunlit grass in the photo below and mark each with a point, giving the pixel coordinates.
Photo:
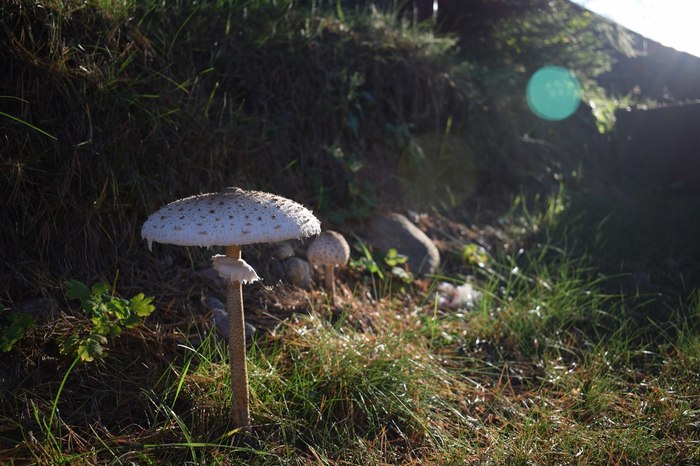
(573, 381)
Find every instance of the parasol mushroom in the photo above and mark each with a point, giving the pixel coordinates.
(329, 250)
(231, 218)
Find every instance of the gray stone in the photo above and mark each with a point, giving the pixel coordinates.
(393, 230)
(298, 272)
(41, 309)
(220, 317)
(283, 250)
(210, 278)
(212, 302)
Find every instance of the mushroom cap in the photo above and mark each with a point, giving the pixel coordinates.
(329, 248)
(230, 217)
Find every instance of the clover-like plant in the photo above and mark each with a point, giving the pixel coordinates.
(108, 313)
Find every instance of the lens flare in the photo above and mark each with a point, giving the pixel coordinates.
(438, 170)
(553, 93)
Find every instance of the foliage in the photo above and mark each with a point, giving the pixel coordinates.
(152, 101)
(385, 273)
(561, 34)
(548, 368)
(558, 33)
(366, 262)
(475, 255)
(603, 107)
(13, 327)
(109, 314)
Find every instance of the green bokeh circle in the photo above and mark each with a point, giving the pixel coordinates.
(553, 93)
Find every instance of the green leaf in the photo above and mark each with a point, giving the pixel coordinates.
(141, 305)
(91, 306)
(109, 316)
(90, 348)
(99, 289)
(118, 307)
(16, 329)
(69, 345)
(21, 319)
(106, 327)
(406, 277)
(77, 290)
(474, 254)
(26, 123)
(393, 258)
(130, 321)
(339, 10)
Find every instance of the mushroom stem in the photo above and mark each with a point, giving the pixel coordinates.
(330, 281)
(236, 348)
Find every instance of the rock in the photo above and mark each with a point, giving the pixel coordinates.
(220, 317)
(210, 278)
(299, 272)
(166, 261)
(212, 302)
(250, 332)
(283, 250)
(393, 230)
(42, 309)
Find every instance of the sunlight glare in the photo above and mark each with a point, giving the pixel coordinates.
(673, 23)
(553, 93)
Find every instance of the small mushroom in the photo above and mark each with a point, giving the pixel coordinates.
(329, 250)
(231, 218)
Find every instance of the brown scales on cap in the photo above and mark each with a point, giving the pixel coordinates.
(231, 218)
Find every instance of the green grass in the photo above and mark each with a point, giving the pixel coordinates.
(547, 369)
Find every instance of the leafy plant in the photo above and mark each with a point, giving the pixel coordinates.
(475, 255)
(366, 262)
(13, 327)
(391, 265)
(108, 313)
(359, 198)
(395, 260)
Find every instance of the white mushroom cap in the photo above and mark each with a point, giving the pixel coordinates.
(230, 217)
(329, 248)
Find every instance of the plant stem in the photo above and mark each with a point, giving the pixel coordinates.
(60, 390)
(240, 414)
(330, 280)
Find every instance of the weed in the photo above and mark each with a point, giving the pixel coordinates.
(13, 327)
(108, 314)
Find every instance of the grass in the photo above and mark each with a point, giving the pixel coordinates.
(547, 369)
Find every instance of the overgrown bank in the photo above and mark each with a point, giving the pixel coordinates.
(109, 111)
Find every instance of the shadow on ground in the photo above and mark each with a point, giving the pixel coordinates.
(646, 240)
